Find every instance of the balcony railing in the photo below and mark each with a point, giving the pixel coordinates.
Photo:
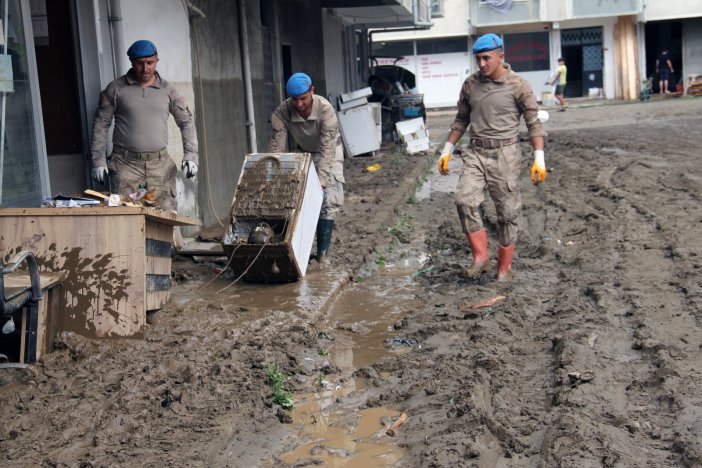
(521, 11)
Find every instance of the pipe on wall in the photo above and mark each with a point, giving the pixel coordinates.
(114, 19)
(244, 37)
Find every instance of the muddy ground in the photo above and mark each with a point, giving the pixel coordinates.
(593, 357)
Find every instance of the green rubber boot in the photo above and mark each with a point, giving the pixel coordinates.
(324, 235)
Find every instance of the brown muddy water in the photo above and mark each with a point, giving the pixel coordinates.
(332, 426)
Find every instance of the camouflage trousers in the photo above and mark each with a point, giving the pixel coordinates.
(497, 171)
(157, 174)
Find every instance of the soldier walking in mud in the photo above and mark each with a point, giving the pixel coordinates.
(491, 101)
(140, 102)
(310, 122)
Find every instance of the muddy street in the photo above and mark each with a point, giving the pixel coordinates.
(591, 357)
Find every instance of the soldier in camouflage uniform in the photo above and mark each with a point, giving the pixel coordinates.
(492, 101)
(309, 122)
(140, 103)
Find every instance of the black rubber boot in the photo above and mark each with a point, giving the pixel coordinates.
(324, 235)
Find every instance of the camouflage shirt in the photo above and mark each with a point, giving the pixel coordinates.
(318, 133)
(141, 118)
(493, 108)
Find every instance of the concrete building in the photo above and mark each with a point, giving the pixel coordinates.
(229, 58)
(609, 45)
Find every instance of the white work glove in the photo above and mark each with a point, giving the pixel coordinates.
(445, 157)
(100, 173)
(189, 168)
(538, 169)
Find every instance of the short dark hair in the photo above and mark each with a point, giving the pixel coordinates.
(561, 59)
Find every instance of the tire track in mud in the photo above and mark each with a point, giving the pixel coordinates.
(593, 358)
(640, 285)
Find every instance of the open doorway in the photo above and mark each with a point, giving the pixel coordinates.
(664, 35)
(58, 73)
(582, 51)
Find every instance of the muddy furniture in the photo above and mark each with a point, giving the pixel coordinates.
(117, 261)
(273, 217)
(31, 302)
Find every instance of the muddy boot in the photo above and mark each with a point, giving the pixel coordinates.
(478, 247)
(324, 234)
(504, 264)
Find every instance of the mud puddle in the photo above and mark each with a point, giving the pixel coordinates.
(331, 425)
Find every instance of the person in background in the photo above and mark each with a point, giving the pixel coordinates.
(560, 82)
(490, 105)
(140, 102)
(664, 68)
(307, 122)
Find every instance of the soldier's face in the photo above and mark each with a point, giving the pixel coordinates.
(303, 103)
(145, 68)
(488, 62)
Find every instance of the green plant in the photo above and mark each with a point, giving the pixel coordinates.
(283, 398)
(321, 380)
(323, 353)
(380, 261)
(276, 380)
(412, 200)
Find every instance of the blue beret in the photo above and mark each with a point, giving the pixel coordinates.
(298, 84)
(487, 42)
(141, 49)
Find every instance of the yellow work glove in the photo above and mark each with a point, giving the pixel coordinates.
(445, 157)
(538, 169)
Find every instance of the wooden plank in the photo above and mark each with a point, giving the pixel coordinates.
(161, 216)
(158, 231)
(156, 299)
(23, 335)
(202, 248)
(158, 266)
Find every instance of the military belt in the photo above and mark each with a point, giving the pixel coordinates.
(142, 156)
(491, 143)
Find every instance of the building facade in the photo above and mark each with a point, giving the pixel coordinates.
(610, 46)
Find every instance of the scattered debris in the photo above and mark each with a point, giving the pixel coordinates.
(480, 305)
(392, 430)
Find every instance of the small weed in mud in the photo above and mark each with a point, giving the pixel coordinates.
(402, 228)
(412, 200)
(323, 353)
(380, 261)
(276, 379)
(360, 279)
(321, 380)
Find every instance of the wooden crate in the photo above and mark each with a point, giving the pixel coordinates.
(117, 261)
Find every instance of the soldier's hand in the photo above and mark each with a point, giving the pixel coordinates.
(538, 169)
(445, 157)
(99, 173)
(189, 168)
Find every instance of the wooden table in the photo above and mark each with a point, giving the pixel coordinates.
(116, 260)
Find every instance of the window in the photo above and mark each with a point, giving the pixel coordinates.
(393, 48)
(437, 8)
(442, 46)
(527, 51)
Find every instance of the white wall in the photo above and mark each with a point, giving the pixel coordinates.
(165, 23)
(453, 23)
(671, 9)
